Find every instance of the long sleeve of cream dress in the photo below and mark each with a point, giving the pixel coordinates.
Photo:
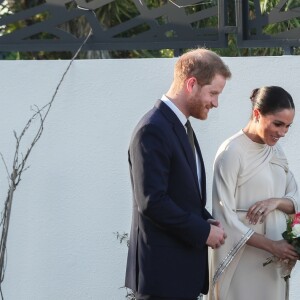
(244, 173)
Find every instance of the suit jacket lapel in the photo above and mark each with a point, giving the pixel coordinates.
(182, 136)
(203, 173)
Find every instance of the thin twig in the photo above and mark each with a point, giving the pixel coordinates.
(189, 5)
(19, 163)
(183, 6)
(6, 168)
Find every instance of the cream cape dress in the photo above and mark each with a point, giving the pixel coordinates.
(246, 172)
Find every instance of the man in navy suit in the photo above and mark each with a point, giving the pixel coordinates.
(171, 228)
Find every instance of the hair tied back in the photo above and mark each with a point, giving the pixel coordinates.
(253, 94)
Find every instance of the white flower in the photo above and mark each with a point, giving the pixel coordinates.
(296, 230)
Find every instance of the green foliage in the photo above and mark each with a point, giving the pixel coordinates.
(20, 6)
(289, 235)
(119, 11)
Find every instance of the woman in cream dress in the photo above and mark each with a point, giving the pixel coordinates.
(253, 192)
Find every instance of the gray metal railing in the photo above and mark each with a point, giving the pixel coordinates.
(174, 25)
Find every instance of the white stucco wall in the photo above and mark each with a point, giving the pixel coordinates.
(76, 193)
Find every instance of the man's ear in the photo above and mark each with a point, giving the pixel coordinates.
(190, 83)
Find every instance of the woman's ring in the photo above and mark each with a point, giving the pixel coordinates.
(260, 211)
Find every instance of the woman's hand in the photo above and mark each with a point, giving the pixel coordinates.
(259, 210)
(283, 250)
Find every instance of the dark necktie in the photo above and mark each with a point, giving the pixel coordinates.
(190, 135)
(192, 143)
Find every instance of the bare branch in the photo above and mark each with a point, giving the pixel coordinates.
(20, 160)
(188, 5)
(6, 168)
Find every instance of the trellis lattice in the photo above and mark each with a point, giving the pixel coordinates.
(176, 24)
(256, 30)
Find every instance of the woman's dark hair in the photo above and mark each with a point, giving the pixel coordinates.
(271, 99)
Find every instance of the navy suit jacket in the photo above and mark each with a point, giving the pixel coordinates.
(167, 254)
